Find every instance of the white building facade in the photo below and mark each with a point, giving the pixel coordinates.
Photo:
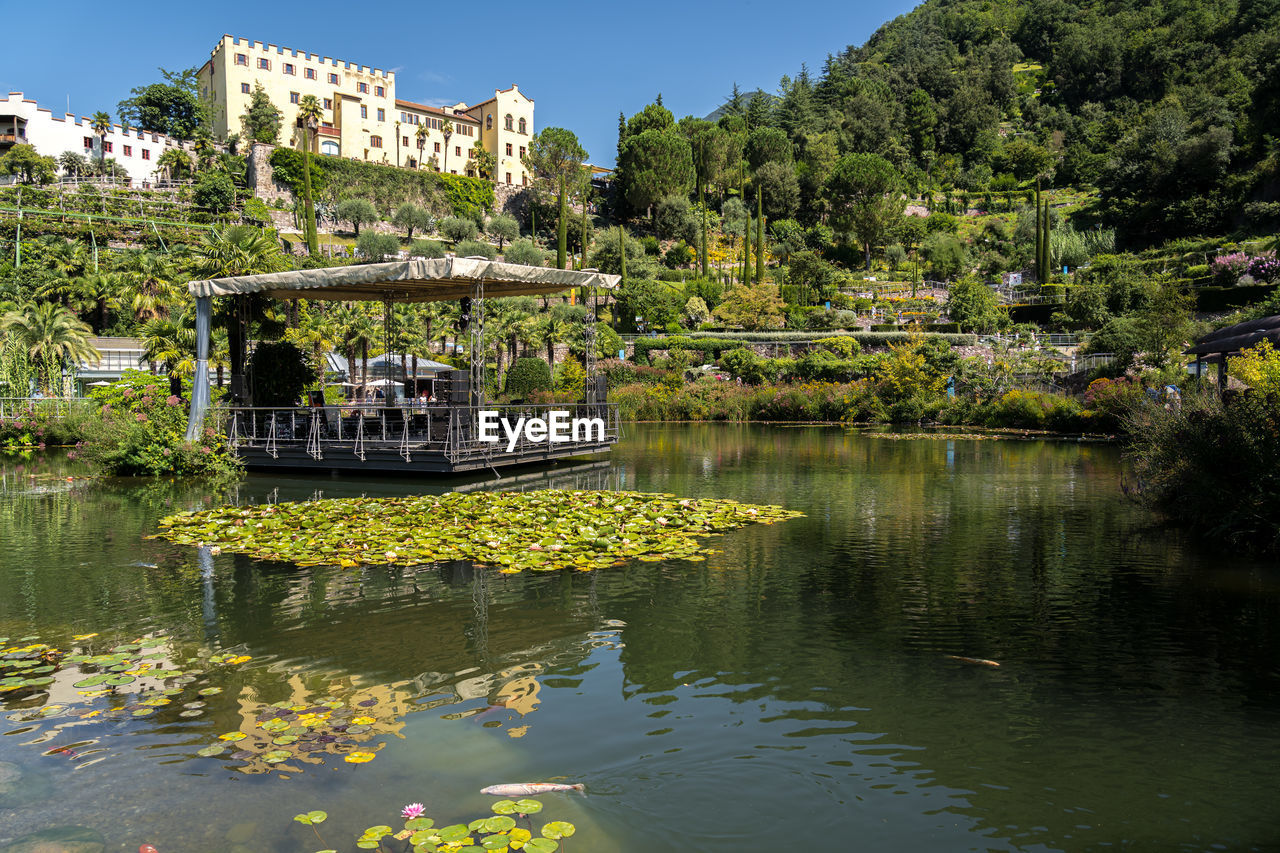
(24, 121)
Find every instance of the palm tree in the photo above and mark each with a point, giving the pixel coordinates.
(236, 250)
(310, 114)
(173, 344)
(150, 284)
(51, 336)
(174, 164)
(398, 143)
(358, 334)
(317, 333)
(446, 128)
(421, 135)
(92, 293)
(101, 124)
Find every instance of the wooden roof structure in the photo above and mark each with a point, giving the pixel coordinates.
(433, 280)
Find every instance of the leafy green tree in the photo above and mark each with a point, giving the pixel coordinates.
(376, 248)
(974, 306)
(410, 216)
(752, 308)
(675, 219)
(945, 253)
(524, 252)
(357, 211)
(24, 161)
(788, 238)
(503, 228)
(214, 192)
(811, 276)
(555, 156)
(653, 117)
(767, 145)
(865, 194)
(261, 121)
(922, 118)
(779, 190)
(51, 337)
(173, 107)
(456, 229)
(655, 163)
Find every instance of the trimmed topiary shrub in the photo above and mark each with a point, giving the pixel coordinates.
(427, 249)
(528, 375)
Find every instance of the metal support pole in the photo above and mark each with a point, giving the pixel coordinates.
(200, 384)
(477, 344)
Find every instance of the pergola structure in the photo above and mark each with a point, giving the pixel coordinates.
(1232, 340)
(397, 282)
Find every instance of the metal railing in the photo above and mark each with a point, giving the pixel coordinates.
(17, 407)
(432, 429)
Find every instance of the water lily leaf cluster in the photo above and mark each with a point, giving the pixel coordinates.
(499, 832)
(285, 735)
(132, 680)
(514, 531)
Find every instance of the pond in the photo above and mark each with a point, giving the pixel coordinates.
(801, 688)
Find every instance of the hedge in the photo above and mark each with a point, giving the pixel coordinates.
(336, 178)
(715, 346)
(528, 375)
(1224, 298)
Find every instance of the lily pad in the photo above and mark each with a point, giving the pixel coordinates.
(591, 529)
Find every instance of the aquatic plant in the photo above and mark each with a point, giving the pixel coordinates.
(541, 531)
(499, 832)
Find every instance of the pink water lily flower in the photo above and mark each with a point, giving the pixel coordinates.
(413, 810)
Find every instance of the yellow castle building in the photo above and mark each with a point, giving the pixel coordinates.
(363, 118)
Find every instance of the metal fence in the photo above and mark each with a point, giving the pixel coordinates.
(16, 407)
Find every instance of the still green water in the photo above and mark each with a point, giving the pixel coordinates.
(794, 691)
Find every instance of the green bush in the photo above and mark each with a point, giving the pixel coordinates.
(375, 248)
(524, 252)
(214, 192)
(427, 249)
(142, 432)
(528, 375)
(474, 248)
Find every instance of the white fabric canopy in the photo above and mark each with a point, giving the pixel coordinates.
(437, 279)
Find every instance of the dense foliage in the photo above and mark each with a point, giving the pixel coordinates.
(1169, 109)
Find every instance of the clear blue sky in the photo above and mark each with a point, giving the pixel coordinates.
(581, 62)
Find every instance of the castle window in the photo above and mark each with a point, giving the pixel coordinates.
(334, 79)
(289, 68)
(242, 59)
(375, 141)
(488, 122)
(510, 122)
(309, 73)
(382, 115)
(524, 127)
(244, 88)
(362, 88)
(380, 91)
(264, 64)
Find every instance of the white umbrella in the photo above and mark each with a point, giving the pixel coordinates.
(100, 383)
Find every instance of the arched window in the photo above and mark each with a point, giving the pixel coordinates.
(510, 122)
(488, 122)
(329, 148)
(524, 126)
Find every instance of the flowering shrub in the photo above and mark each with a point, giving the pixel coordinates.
(41, 425)
(1230, 268)
(141, 431)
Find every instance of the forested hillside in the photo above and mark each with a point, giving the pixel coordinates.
(1169, 109)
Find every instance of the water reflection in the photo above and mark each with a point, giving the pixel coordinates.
(794, 688)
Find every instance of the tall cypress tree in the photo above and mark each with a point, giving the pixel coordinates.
(622, 254)
(759, 237)
(1039, 236)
